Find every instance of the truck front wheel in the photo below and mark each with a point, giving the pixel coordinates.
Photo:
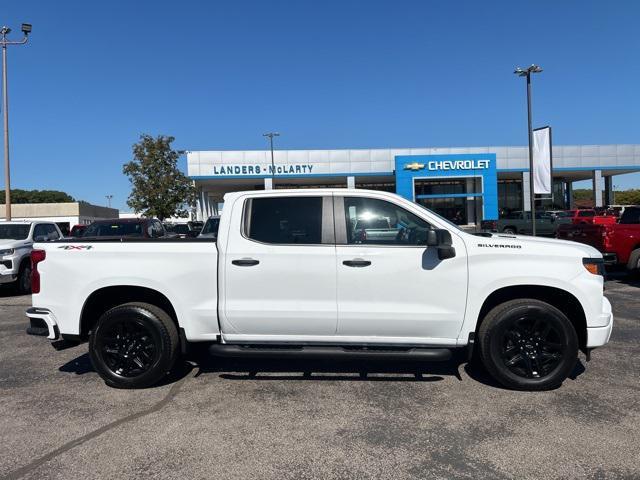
(24, 278)
(133, 345)
(528, 344)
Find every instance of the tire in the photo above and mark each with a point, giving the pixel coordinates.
(509, 230)
(527, 344)
(634, 270)
(133, 345)
(23, 283)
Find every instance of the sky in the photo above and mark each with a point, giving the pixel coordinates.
(325, 74)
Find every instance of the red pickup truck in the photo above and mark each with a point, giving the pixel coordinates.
(618, 242)
(583, 216)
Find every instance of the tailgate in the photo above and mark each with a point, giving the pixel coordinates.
(589, 234)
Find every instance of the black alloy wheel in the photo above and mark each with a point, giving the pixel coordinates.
(128, 348)
(532, 347)
(133, 345)
(528, 344)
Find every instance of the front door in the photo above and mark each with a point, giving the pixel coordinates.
(280, 272)
(391, 287)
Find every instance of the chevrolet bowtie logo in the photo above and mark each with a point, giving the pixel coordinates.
(414, 166)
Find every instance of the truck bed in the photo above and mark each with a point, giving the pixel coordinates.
(183, 270)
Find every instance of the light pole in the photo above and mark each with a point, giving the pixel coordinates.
(109, 197)
(270, 135)
(526, 72)
(4, 31)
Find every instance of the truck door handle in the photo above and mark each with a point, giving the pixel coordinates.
(358, 263)
(245, 262)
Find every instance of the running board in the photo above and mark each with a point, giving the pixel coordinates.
(338, 352)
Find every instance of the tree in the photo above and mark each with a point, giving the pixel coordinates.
(583, 197)
(159, 188)
(37, 196)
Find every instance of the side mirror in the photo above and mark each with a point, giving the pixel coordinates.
(432, 238)
(441, 239)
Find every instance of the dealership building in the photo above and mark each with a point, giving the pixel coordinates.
(465, 184)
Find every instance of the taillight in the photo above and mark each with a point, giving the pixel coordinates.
(37, 256)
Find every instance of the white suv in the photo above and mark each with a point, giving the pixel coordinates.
(16, 243)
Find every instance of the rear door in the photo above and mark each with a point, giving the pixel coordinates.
(279, 269)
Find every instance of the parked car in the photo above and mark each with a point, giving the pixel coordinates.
(126, 227)
(16, 243)
(519, 222)
(210, 228)
(285, 279)
(196, 225)
(182, 230)
(77, 231)
(557, 213)
(373, 230)
(619, 243)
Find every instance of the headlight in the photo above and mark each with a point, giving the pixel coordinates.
(594, 265)
(8, 251)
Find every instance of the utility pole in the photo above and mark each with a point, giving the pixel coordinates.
(4, 31)
(270, 135)
(532, 198)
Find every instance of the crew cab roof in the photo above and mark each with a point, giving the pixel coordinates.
(305, 191)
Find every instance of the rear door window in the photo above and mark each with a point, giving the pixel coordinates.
(284, 220)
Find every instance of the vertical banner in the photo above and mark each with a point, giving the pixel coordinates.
(542, 160)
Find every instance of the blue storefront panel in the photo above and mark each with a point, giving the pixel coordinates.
(483, 165)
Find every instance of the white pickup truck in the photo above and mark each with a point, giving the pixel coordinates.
(16, 242)
(289, 276)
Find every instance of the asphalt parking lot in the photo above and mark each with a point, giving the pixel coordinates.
(298, 420)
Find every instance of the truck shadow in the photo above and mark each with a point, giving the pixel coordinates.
(316, 370)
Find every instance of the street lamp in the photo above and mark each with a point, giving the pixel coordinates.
(4, 31)
(270, 135)
(526, 72)
(109, 197)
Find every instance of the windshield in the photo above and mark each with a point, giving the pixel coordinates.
(211, 226)
(446, 220)
(113, 229)
(14, 232)
(181, 228)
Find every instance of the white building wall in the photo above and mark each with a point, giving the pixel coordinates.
(202, 163)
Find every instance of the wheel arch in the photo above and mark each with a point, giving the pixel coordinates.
(24, 261)
(105, 298)
(563, 300)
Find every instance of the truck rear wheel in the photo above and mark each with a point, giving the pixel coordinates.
(528, 344)
(133, 345)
